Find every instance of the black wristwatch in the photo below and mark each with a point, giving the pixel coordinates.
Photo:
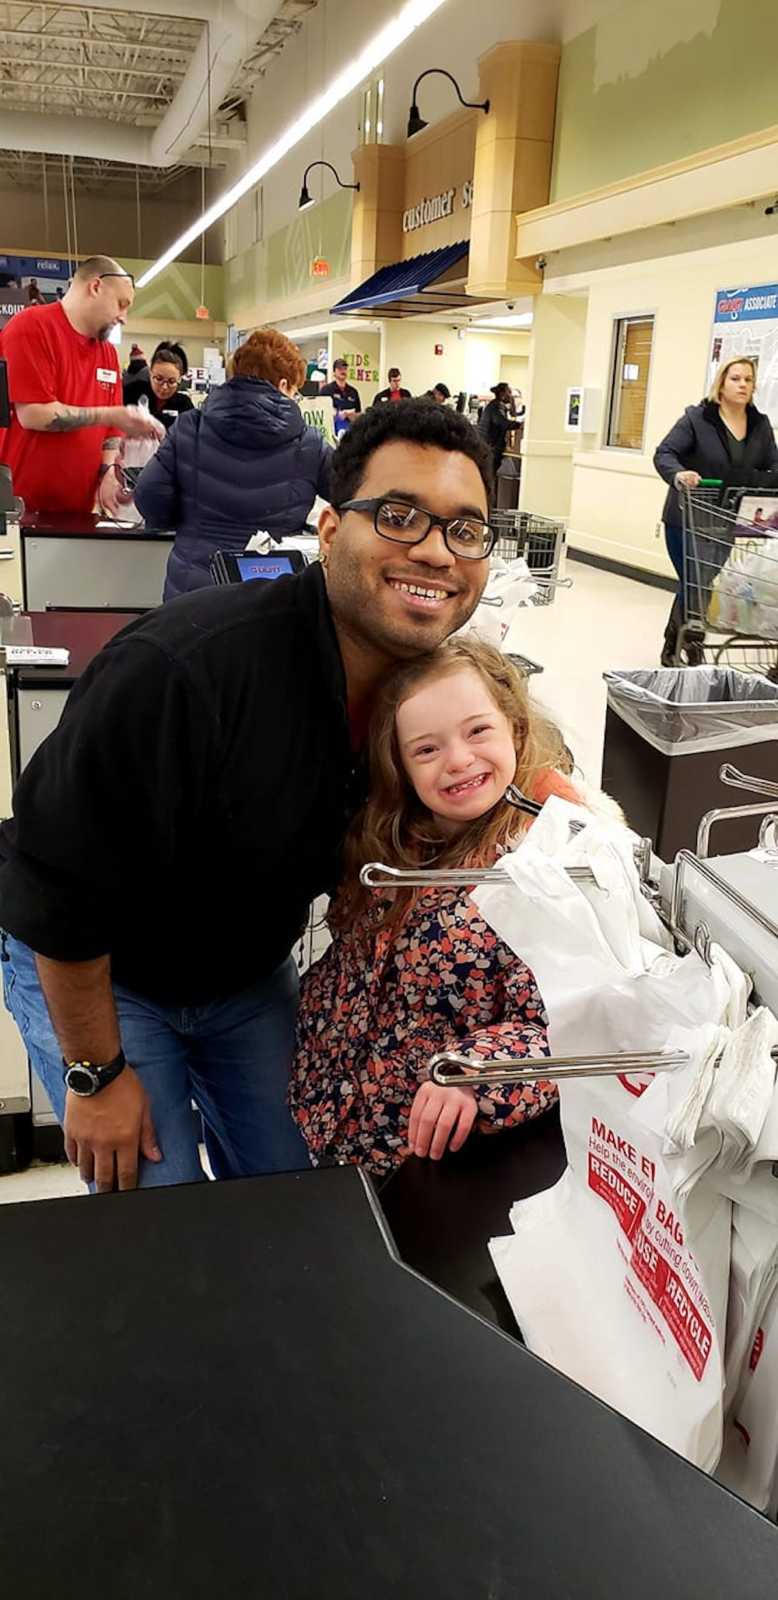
(85, 1079)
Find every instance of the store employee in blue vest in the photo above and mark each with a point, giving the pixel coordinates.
(345, 401)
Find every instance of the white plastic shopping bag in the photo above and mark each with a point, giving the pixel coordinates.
(135, 454)
(752, 1282)
(611, 1275)
(744, 596)
(510, 586)
(737, 1134)
(749, 1462)
(758, 1188)
(597, 950)
(616, 1282)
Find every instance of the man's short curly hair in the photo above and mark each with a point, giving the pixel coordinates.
(418, 421)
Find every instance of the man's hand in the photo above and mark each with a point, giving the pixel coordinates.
(439, 1118)
(686, 480)
(106, 1133)
(111, 495)
(137, 423)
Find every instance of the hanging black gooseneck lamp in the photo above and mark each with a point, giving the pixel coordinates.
(416, 122)
(307, 199)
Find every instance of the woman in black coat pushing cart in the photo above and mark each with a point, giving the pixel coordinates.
(726, 439)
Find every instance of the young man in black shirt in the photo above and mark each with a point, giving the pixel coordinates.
(395, 393)
(169, 836)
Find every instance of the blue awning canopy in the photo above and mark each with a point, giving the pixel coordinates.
(431, 282)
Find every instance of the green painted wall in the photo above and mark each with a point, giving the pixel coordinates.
(658, 80)
(280, 266)
(176, 292)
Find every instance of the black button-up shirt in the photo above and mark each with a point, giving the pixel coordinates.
(194, 798)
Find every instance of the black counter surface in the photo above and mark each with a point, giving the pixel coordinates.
(51, 525)
(83, 633)
(234, 1390)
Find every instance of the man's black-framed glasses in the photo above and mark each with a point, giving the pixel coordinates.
(468, 538)
(127, 275)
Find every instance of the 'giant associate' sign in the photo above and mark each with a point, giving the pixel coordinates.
(745, 323)
(747, 305)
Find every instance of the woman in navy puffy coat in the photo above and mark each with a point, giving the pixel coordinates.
(245, 461)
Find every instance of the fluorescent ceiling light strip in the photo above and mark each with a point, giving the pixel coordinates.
(501, 324)
(387, 40)
(334, 326)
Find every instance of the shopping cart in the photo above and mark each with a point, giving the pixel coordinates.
(524, 665)
(540, 540)
(730, 579)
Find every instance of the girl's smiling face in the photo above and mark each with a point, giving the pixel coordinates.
(457, 748)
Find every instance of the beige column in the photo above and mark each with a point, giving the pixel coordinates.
(514, 147)
(377, 225)
(556, 361)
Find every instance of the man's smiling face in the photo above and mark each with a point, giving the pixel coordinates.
(403, 600)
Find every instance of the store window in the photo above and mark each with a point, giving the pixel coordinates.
(231, 234)
(633, 339)
(258, 207)
(371, 128)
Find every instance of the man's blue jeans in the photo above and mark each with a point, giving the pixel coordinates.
(231, 1057)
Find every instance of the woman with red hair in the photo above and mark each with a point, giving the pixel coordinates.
(246, 461)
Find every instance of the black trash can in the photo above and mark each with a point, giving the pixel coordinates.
(668, 731)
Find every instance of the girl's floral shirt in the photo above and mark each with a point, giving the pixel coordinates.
(382, 1001)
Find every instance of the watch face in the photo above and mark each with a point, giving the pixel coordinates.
(81, 1080)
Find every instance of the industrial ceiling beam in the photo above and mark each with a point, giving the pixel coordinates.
(98, 41)
(93, 66)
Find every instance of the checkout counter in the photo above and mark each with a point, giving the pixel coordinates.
(240, 1389)
(36, 691)
(90, 562)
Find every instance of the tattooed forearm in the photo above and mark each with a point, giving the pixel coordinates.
(110, 458)
(54, 417)
(72, 417)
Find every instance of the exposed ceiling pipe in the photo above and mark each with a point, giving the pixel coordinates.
(234, 30)
(231, 35)
(77, 136)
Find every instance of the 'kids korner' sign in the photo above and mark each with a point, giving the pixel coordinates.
(436, 207)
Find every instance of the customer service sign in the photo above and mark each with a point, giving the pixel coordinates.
(745, 323)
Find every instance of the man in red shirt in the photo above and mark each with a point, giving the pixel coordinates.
(65, 387)
(394, 393)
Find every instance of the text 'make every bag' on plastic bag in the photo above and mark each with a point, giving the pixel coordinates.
(613, 1278)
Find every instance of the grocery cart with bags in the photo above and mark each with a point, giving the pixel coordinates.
(730, 587)
(537, 540)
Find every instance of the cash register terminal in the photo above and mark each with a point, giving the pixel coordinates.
(248, 565)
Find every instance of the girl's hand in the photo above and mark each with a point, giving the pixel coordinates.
(439, 1118)
(686, 480)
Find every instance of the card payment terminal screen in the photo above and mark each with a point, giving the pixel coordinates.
(263, 567)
